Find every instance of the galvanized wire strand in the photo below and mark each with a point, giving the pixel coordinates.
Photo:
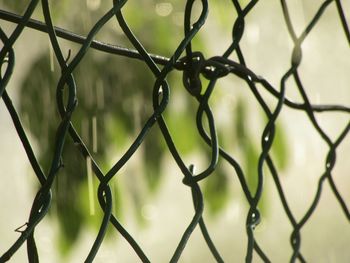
(104, 190)
(32, 251)
(73, 37)
(193, 65)
(13, 113)
(16, 33)
(199, 208)
(204, 106)
(253, 216)
(195, 189)
(191, 80)
(42, 202)
(38, 210)
(40, 213)
(193, 85)
(24, 139)
(161, 60)
(296, 59)
(343, 19)
(214, 251)
(197, 196)
(8, 60)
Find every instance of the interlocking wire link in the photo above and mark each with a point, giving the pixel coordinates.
(193, 65)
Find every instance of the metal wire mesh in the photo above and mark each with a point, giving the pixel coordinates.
(193, 65)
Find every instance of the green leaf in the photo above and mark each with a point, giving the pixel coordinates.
(241, 121)
(117, 131)
(70, 225)
(216, 191)
(94, 220)
(70, 216)
(279, 149)
(153, 150)
(183, 130)
(251, 157)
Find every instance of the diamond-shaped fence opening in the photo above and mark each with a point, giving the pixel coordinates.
(279, 58)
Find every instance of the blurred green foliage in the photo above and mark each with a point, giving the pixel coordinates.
(251, 149)
(216, 191)
(118, 93)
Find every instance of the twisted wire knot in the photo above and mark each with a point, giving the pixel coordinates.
(195, 64)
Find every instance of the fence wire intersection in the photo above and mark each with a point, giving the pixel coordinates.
(192, 64)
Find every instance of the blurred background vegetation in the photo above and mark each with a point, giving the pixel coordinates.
(115, 100)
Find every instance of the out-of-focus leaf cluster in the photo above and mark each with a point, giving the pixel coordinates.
(117, 93)
(106, 92)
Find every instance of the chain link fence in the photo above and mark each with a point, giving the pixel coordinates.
(195, 67)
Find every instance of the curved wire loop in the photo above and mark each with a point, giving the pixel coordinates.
(194, 67)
